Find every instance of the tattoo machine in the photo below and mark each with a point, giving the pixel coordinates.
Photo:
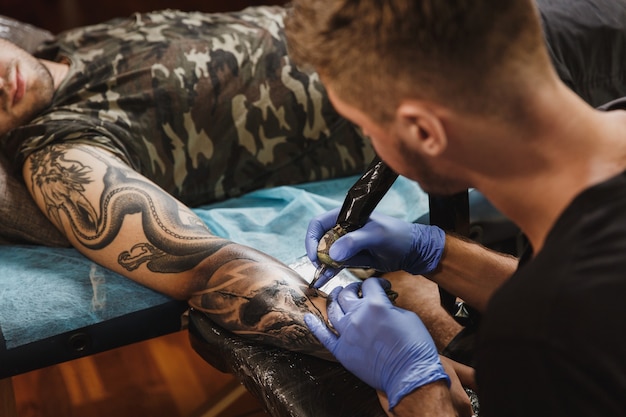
(361, 200)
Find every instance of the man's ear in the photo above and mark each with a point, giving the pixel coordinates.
(421, 128)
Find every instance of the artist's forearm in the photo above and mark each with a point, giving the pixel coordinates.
(420, 295)
(471, 271)
(430, 400)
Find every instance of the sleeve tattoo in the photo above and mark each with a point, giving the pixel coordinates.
(92, 196)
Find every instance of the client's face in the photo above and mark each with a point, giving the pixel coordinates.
(26, 86)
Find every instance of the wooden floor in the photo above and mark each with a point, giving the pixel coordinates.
(162, 377)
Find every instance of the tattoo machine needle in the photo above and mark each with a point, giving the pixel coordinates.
(360, 202)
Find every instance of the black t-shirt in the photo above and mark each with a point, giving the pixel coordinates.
(553, 340)
(586, 40)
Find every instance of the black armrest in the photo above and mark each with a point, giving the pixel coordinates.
(286, 383)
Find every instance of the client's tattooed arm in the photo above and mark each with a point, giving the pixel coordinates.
(126, 223)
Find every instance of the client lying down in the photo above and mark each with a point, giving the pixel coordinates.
(119, 128)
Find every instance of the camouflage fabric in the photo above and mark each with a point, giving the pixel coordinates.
(208, 106)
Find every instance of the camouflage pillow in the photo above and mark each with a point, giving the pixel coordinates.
(26, 36)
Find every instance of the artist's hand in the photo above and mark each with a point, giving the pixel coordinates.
(387, 347)
(384, 243)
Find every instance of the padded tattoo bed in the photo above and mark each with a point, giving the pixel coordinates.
(55, 305)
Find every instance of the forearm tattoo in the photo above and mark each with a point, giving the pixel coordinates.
(241, 289)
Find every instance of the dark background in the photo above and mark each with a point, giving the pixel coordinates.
(58, 15)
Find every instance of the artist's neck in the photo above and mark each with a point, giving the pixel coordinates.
(570, 156)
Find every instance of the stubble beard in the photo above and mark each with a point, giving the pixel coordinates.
(38, 96)
(42, 91)
(430, 180)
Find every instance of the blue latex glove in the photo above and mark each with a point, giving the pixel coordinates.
(385, 346)
(383, 243)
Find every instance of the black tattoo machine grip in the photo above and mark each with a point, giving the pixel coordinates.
(360, 202)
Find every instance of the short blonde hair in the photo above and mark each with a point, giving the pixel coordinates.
(374, 53)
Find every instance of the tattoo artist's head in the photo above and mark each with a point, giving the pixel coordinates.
(415, 74)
